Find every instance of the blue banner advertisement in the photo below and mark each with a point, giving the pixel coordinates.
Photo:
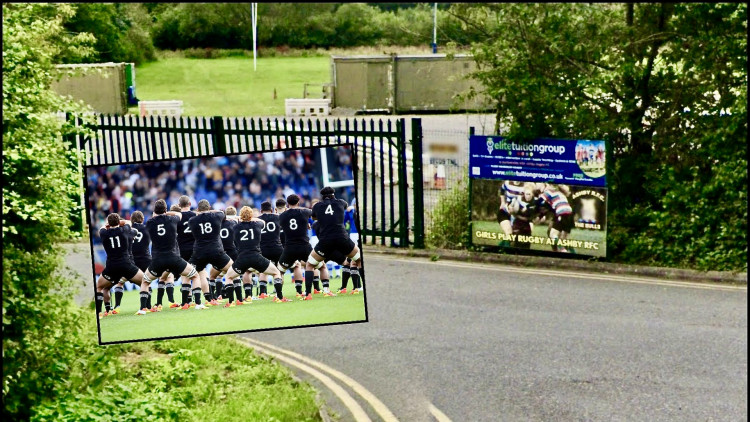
(579, 162)
(545, 195)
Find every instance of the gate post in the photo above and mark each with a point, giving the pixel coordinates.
(403, 188)
(417, 181)
(217, 133)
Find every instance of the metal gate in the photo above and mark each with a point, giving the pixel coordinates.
(382, 159)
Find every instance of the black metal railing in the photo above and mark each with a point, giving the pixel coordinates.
(379, 154)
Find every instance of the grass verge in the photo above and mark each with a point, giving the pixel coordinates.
(196, 379)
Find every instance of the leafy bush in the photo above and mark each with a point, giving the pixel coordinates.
(210, 53)
(40, 184)
(299, 25)
(449, 219)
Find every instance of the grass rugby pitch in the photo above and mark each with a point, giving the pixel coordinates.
(258, 315)
(229, 86)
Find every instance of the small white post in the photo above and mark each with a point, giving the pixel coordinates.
(254, 12)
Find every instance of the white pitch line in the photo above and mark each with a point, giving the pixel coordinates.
(359, 414)
(590, 276)
(376, 404)
(437, 414)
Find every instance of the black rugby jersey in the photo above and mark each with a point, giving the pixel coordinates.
(271, 234)
(141, 241)
(247, 237)
(184, 235)
(294, 223)
(163, 232)
(116, 243)
(206, 228)
(330, 213)
(227, 240)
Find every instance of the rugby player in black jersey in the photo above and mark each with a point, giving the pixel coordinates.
(247, 237)
(142, 259)
(215, 285)
(119, 287)
(280, 208)
(335, 256)
(314, 241)
(297, 247)
(332, 234)
(185, 240)
(248, 279)
(208, 248)
(270, 242)
(116, 236)
(162, 228)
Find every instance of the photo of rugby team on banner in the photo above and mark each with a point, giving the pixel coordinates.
(545, 194)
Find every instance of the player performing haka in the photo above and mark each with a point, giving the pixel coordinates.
(332, 234)
(116, 236)
(247, 235)
(336, 257)
(162, 228)
(185, 240)
(270, 242)
(215, 285)
(208, 249)
(294, 222)
(142, 259)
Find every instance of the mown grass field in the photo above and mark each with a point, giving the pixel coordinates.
(258, 315)
(540, 231)
(229, 86)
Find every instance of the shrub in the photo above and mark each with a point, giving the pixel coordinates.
(449, 219)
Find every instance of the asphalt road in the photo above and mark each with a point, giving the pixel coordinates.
(486, 342)
(491, 342)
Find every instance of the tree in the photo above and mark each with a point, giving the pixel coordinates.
(654, 80)
(38, 184)
(122, 31)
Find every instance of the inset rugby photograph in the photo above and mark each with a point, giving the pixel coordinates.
(225, 244)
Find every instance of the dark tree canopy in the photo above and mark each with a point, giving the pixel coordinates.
(664, 83)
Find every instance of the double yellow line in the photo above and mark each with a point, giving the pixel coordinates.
(322, 371)
(309, 365)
